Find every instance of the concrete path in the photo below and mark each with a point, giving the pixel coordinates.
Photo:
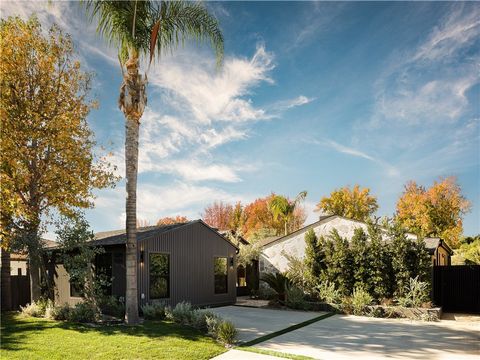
(243, 355)
(252, 323)
(347, 337)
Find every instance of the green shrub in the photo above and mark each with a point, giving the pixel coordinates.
(226, 332)
(83, 312)
(278, 282)
(33, 309)
(415, 294)
(326, 292)
(295, 298)
(60, 312)
(360, 300)
(182, 313)
(213, 321)
(110, 305)
(154, 311)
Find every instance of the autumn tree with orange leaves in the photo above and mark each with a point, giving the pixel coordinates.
(48, 165)
(436, 211)
(357, 203)
(172, 220)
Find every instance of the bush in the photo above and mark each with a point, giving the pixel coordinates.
(182, 313)
(213, 321)
(326, 292)
(415, 294)
(32, 309)
(278, 282)
(110, 305)
(295, 298)
(154, 311)
(226, 332)
(60, 312)
(83, 312)
(360, 300)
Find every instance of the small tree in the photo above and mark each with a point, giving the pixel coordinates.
(380, 265)
(78, 256)
(340, 264)
(361, 260)
(284, 208)
(313, 255)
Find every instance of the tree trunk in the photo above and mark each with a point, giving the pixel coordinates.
(35, 257)
(6, 287)
(131, 162)
(132, 102)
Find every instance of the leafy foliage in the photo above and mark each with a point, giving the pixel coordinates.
(468, 252)
(278, 282)
(226, 332)
(326, 292)
(78, 256)
(416, 293)
(355, 204)
(314, 255)
(284, 208)
(360, 300)
(436, 211)
(172, 220)
(340, 261)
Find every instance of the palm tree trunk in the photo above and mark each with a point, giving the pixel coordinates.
(131, 162)
(132, 102)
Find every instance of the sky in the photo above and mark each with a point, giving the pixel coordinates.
(311, 96)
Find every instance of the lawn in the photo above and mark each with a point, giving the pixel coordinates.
(33, 338)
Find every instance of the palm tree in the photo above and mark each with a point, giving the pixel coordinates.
(145, 28)
(283, 208)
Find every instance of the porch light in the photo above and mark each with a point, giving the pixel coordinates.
(231, 262)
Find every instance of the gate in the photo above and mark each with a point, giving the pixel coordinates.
(20, 285)
(457, 288)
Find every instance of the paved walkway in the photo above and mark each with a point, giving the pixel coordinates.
(253, 323)
(347, 337)
(243, 355)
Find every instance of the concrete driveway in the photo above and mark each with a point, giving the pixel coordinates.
(252, 323)
(348, 337)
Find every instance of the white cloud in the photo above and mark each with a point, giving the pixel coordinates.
(283, 105)
(390, 169)
(193, 170)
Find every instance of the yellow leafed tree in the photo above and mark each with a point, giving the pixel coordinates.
(356, 203)
(47, 163)
(436, 211)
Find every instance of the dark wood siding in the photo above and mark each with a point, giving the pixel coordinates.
(192, 250)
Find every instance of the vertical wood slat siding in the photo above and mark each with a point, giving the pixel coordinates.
(192, 249)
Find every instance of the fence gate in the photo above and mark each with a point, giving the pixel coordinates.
(457, 288)
(20, 285)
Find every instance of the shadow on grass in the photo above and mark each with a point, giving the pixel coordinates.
(14, 329)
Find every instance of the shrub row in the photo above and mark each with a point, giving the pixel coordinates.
(184, 313)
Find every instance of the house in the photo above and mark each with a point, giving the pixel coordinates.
(276, 250)
(179, 262)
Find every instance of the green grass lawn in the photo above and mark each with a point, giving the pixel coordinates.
(32, 338)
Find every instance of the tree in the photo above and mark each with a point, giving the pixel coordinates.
(340, 271)
(259, 218)
(314, 256)
(380, 281)
(47, 163)
(172, 220)
(468, 252)
(219, 215)
(283, 208)
(138, 28)
(436, 211)
(360, 249)
(356, 204)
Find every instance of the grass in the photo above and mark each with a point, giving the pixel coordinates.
(34, 338)
(275, 353)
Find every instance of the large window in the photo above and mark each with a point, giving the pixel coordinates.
(75, 291)
(159, 276)
(241, 276)
(220, 270)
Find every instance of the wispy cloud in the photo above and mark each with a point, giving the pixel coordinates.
(390, 169)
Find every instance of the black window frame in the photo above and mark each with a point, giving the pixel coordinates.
(75, 291)
(165, 277)
(216, 290)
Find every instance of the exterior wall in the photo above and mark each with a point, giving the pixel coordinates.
(18, 267)
(62, 287)
(192, 250)
(273, 255)
(442, 256)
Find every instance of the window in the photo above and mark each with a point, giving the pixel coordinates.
(159, 276)
(75, 291)
(241, 276)
(221, 275)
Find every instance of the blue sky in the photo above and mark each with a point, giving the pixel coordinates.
(312, 96)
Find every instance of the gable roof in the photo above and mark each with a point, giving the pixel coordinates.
(433, 243)
(270, 240)
(119, 237)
